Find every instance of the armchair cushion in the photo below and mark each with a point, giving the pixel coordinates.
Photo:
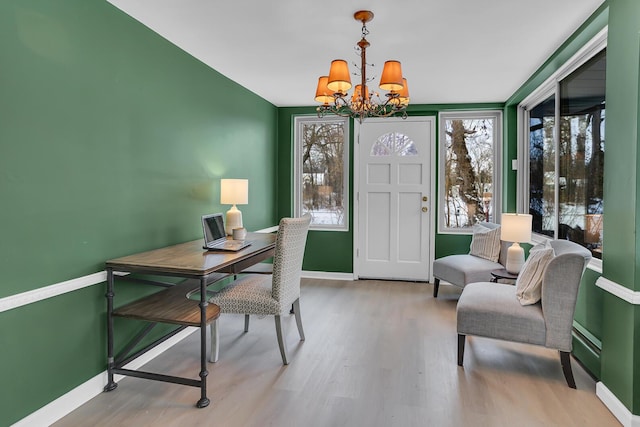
(492, 310)
(529, 282)
(485, 242)
(463, 269)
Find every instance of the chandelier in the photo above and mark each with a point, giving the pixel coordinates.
(332, 89)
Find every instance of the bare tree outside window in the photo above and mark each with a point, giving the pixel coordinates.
(322, 171)
(469, 145)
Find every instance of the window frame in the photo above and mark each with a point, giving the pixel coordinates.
(298, 122)
(550, 87)
(497, 163)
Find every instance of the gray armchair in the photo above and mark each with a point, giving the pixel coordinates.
(463, 269)
(492, 310)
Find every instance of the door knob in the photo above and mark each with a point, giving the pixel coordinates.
(424, 198)
(424, 209)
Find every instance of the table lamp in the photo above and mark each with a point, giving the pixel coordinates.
(234, 192)
(515, 228)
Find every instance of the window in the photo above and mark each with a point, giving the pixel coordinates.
(322, 172)
(566, 155)
(469, 184)
(394, 144)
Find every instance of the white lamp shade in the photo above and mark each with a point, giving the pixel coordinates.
(516, 227)
(234, 191)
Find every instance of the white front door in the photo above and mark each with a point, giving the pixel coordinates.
(393, 199)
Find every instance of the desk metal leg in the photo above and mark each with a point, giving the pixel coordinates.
(111, 384)
(204, 401)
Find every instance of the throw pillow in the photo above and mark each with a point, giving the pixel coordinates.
(485, 242)
(529, 281)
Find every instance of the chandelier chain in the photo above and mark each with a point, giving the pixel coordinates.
(365, 30)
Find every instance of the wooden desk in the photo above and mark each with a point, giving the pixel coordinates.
(173, 305)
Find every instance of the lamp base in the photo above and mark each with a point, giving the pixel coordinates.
(515, 258)
(234, 220)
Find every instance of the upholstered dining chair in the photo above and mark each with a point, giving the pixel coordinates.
(269, 294)
(493, 310)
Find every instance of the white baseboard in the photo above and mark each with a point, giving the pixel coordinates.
(626, 418)
(329, 275)
(80, 395)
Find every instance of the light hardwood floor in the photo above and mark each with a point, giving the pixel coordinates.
(377, 353)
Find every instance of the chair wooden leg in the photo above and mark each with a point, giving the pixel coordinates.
(565, 361)
(215, 341)
(246, 323)
(281, 342)
(461, 340)
(296, 311)
(436, 285)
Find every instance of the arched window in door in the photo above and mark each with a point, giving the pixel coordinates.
(394, 144)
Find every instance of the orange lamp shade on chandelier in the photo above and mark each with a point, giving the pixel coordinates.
(391, 76)
(403, 94)
(323, 94)
(339, 78)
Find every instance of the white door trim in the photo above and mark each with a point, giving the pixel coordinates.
(356, 189)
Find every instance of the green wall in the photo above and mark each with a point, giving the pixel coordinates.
(621, 320)
(112, 141)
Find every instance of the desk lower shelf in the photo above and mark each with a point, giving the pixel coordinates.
(171, 305)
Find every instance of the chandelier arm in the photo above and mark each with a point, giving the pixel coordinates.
(331, 109)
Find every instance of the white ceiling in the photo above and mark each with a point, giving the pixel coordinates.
(452, 51)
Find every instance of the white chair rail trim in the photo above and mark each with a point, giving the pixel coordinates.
(50, 291)
(618, 290)
(29, 297)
